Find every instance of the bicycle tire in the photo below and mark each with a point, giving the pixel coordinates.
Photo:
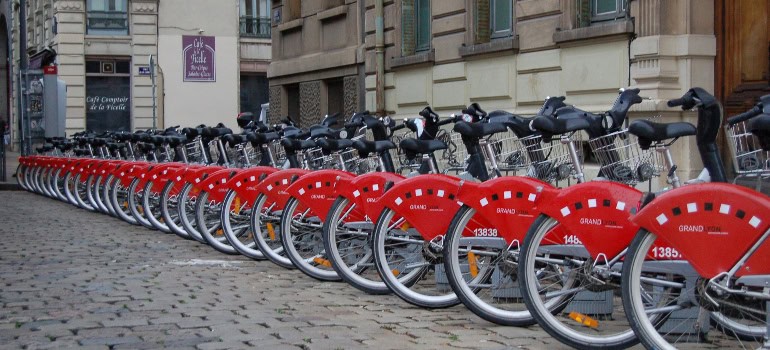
(398, 251)
(236, 227)
(303, 242)
(262, 222)
(350, 249)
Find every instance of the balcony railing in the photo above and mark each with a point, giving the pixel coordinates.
(107, 22)
(257, 27)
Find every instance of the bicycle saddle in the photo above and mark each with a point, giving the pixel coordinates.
(217, 131)
(292, 145)
(334, 145)
(413, 147)
(364, 147)
(648, 132)
(176, 140)
(257, 138)
(557, 126)
(760, 126)
(478, 129)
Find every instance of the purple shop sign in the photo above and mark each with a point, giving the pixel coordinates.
(199, 58)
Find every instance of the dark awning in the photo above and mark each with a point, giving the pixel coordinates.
(42, 58)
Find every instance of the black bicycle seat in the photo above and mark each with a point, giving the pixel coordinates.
(415, 146)
(478, 129)
(292, 145)
(334, 145)
(649, 132)
(364, 147)
(557, 126)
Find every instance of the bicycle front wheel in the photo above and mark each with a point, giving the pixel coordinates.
(567, 295)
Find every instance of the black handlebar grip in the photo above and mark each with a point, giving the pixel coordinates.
(675, 102)
(446, 121)
(398, 127)
(745, 116)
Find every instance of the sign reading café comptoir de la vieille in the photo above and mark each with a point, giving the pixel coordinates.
(199, 58)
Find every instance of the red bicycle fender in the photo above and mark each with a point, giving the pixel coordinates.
(216, 184)
(365, 190)
(702, 220)
(159, 175)
(427, 202)
(127, 173)
(596, 215)
(274, 186)
(508, 203)
(197, 175)
(318, 190)
(245, 182)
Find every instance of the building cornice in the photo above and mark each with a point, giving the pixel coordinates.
(69, 6)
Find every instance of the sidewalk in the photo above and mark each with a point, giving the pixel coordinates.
(89, 280)
(11, 162)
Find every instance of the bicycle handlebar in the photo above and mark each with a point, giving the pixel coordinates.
(742, 117)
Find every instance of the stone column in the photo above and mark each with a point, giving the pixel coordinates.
(69, 45)
(310, 103)
(144, 19)
(674, 51)
(276, 108)
(350, 88)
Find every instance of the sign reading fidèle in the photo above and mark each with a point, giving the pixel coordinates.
(199, 55)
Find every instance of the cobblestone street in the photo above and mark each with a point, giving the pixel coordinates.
(76, 279)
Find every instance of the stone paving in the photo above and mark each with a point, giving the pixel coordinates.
(76, 279)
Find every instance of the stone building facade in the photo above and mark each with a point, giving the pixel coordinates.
(318, 59)
(102, 50)
(512, 54)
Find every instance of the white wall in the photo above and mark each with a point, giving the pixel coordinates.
(193, 103)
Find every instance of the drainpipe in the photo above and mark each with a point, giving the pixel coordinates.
(379, 51)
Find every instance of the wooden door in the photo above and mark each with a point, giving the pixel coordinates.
(743, 53)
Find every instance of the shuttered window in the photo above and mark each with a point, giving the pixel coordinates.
(415, 26)
(493, 19)
(593, 11)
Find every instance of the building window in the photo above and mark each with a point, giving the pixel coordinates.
(108, 94)
(255, 18)
(594, 11)
(254, 92)
(415, 26)
(493, 18)
(107, 17)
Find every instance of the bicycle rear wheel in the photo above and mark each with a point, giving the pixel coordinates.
(409, 265)
(264, 221)
(566, 293)
(482, 271)
(300, 232)
(169, 207)
(235, 224)
(186, 211)
(670, 307)
(348, 246)
(208, 217)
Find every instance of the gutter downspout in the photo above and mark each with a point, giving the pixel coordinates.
(379, 51)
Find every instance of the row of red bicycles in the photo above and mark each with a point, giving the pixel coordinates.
(491, 210)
